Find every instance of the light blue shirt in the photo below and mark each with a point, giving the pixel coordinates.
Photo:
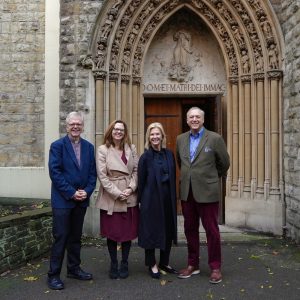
(194, 142)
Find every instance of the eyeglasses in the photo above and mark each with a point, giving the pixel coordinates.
(118, 129)
(75, 124)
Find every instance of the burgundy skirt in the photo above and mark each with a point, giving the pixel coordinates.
(120, 226)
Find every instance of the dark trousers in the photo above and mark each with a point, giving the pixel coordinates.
(208, 213)
(67, 231)
(150, 260)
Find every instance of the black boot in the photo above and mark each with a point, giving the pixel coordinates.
(123, 272)
(113, 272)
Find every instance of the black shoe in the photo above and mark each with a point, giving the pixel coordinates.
(154, 275)
(113, 272)
(167, 269)
(54, 283)
(123, 272)
(79, 274)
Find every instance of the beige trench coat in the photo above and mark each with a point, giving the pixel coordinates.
(115, 176)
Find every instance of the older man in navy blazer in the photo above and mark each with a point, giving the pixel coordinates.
(72, 171)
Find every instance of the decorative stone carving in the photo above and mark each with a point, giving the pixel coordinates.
(238, 35)
(266, 28)
(180, 68)
(245, 62)
(125, 78)
(113, 76)
(126, 62)
(115, 8)
(99, 74)
(106, 27)
(273, 56)
(259, 62)
(255, 4)
(275, 74)
(86, 62)
(234, 80)
(136, 80)
(246, 78)
(100, 57)
(259, 76)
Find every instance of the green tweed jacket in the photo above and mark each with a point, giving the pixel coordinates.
(211, 161)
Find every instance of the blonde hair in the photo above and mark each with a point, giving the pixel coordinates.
(147, 138)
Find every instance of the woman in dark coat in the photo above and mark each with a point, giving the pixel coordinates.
(157, 198)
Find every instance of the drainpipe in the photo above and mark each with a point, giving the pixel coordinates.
(284, 227)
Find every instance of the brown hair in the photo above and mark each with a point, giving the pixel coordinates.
(108, 140)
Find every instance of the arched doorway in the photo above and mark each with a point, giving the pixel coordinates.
(250, 41)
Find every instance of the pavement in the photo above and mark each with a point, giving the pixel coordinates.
(255, 266)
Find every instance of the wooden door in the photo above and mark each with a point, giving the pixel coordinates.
(171, 113)
(167, 112)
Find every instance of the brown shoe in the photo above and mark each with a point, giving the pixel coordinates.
(188, 272)
(216, 276)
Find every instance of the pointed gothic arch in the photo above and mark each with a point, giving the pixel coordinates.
(252, 46)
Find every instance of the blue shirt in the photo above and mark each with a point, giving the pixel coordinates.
(194, 142)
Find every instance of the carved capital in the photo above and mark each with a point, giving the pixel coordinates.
(125, 78)
(259, 76)
(234, 80)
(136, 80)
(113, 76)
(99, 75)
(246, 78)
(275, 74)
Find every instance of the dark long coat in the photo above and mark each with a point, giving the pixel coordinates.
(152, 219)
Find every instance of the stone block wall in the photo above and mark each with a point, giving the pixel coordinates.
(291, 114)
(78, 19)
(24, 237)
(22, 35)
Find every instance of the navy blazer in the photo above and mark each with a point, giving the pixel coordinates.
(67, 176)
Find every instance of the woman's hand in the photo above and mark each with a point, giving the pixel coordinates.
(125, 194)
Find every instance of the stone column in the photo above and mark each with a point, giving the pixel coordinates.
(260, 120)
(274, 77)
(235, 131)
(246, 80)
(229, 138)
(135, 111)
(125, 103)
(113, 78)
(99, 106)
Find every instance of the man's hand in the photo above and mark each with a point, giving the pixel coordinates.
(80, 195)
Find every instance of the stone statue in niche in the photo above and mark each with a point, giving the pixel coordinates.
(126, 62)
(180, 68)
(116, 6)
(238, 35)
(133, 33)
(100, 57)
(255, 4)
(245, 62)
(273, 57)
(224, 12)
(259, 63)
(265, 25)
(113, 62)
(106, 28)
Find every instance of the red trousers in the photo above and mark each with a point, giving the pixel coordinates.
(208, 213)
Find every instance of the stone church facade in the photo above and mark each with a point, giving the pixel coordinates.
(151, 60)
